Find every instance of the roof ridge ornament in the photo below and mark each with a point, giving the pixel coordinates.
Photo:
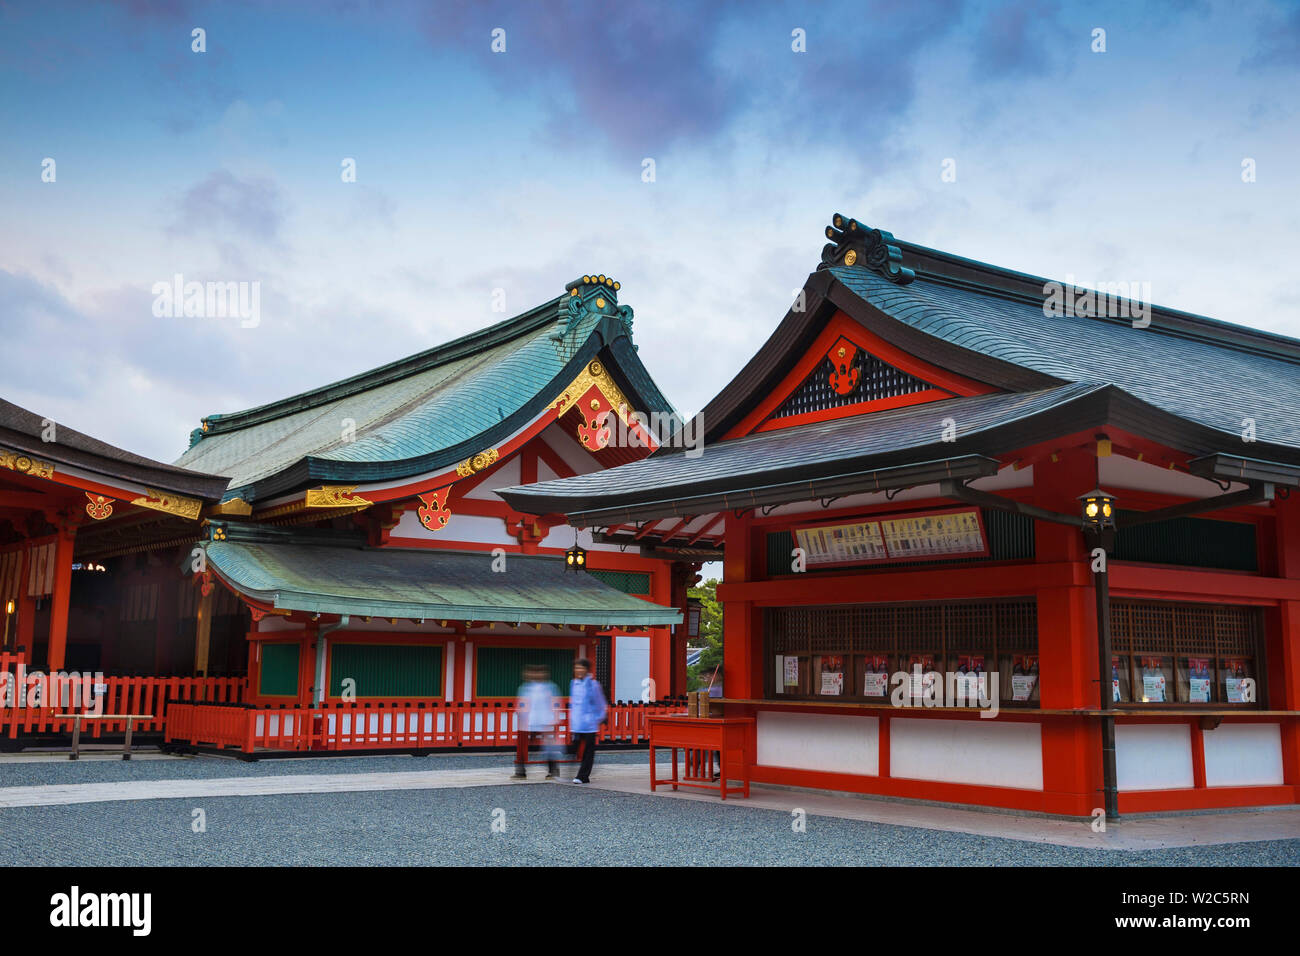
(590, 295)
(852, 243)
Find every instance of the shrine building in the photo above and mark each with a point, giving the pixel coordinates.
(348, 545)
(951, 496)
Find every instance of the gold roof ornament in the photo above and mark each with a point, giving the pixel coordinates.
(477, 463)
(334, 496)
(171, 504)
(26, 464)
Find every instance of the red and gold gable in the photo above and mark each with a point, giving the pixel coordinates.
(848, 371)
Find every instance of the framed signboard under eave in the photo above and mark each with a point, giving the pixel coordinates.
(894, 538)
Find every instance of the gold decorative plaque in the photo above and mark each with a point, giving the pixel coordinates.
(334, 496)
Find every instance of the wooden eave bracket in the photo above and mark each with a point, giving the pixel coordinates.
(958, 490)
(1257, 493)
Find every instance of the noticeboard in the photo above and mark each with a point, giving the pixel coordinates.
(910, 536)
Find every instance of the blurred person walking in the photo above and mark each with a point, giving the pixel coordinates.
(587, 711)
(536, 721)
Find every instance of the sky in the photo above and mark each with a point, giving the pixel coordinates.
(488, 178)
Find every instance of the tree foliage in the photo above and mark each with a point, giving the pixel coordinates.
(710, 635)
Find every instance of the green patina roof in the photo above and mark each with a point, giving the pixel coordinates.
(426, 411)
(327, 573)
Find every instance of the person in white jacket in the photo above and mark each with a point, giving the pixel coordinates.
(536, 721)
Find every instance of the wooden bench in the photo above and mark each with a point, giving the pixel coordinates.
(76, 729)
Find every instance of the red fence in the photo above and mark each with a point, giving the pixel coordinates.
(383, 725)
(29, 701)
(210, 711)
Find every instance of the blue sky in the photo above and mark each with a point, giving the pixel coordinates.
(521, 170)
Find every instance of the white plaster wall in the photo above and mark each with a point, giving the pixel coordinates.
(449, 662)
(506, 476)
(462, 527)
(631, 666)
(1153, 756)
(564, 442)
(827, 742)
(978, 752)
(1243, 755)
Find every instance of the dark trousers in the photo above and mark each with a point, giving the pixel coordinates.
(586, 744)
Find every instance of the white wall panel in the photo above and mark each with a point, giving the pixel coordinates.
(1243, 755)
(979, 752)
(827, 742)
(1153, 756)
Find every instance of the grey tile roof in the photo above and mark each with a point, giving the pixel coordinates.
(24, 431)
(823, 449)
(1214, 383)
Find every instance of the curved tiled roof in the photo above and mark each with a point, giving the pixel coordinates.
(1183, 380)
(984, 424)
(423, 412)
(1214, 383)
(24, 431)
(320, 574)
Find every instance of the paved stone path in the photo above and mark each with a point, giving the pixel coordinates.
(1135, 833)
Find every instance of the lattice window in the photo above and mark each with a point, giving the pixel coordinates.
(876, 380)
(1201, 651)
(853, 641)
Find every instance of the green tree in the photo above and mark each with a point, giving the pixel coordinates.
(710, 635)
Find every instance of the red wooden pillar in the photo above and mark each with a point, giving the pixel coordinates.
(307, 664)
(254, 663)
(1284, 663)
(682, 577)
(59, 601)
(742, 633)
(26, 631)
(1067, 641)
(662, 645)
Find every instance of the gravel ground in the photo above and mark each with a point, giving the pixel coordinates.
(543, 824)
(23, 772)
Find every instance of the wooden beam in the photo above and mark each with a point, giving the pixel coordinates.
(708, 526)
(1256, 494)
(955, 489)
(32, 500)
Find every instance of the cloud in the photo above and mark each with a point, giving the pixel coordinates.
(1279, 43)
(1019, 39)
(643, 77)
(223, 203)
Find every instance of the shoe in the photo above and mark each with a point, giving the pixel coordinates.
(576, 780)
(550, 776)
(521, 776)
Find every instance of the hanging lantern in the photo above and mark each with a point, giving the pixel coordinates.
(575, 559)
(1098, 510)
(693, 608)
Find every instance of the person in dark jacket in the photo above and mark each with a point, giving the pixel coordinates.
(587, 711)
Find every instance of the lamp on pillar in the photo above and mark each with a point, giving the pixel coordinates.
(1099, 528)
(9, 612)
(1098, 511)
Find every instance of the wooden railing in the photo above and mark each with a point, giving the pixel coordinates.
(106, 695)
(383, 725)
